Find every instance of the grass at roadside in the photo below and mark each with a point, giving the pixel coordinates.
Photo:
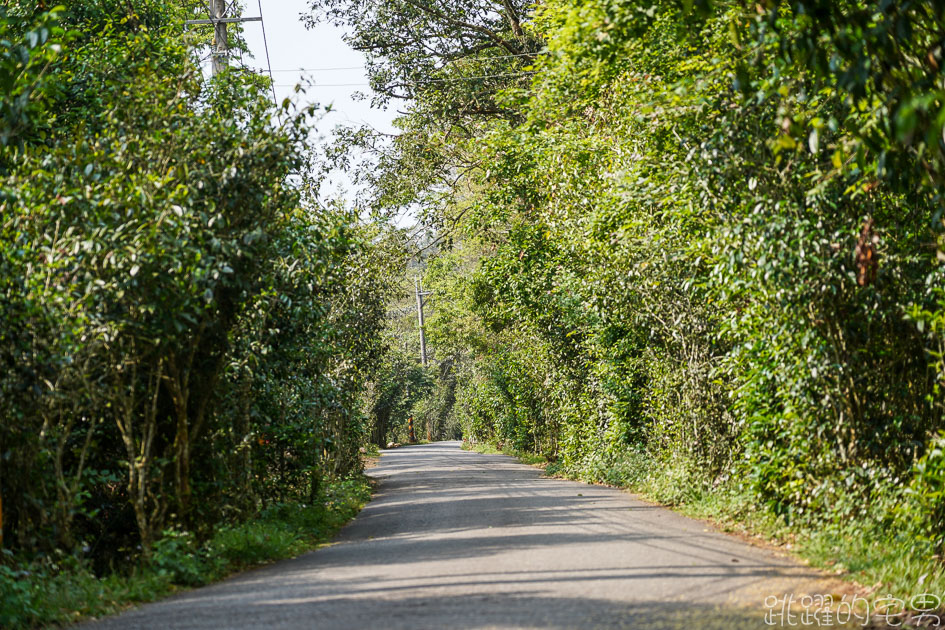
(525, 457)
(61, 591)
(857, 550)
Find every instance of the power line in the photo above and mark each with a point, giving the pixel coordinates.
(289, 85)
(319, 69)
(362, 67)
(272, 81)
(525, 73)
(424, 81)
(220, 49)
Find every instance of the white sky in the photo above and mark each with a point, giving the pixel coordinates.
(301, 55)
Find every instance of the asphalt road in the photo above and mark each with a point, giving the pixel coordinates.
(458, 540)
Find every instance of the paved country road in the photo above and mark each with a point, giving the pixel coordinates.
(455, 539)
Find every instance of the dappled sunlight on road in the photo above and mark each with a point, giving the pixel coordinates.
(455, 539)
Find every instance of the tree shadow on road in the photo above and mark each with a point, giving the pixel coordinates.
(447, 544)
(201, 611)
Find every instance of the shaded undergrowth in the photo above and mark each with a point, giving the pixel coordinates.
(54, 591)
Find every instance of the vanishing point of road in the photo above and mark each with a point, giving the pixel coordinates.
(459, 540)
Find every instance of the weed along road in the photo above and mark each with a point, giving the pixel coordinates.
(455, 539)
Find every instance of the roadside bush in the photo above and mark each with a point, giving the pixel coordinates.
(925, 510)
(48, 592)
(16, 601)
(254, 542)
(185, 331)
(177, 555)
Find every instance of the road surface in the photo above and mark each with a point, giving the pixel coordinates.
(459, 540)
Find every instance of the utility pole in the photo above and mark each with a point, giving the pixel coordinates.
(423, 340)
(219, 21)
(220, 44)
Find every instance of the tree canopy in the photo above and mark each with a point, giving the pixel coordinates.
(698, 252)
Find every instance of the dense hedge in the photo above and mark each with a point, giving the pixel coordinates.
(184, 338)
(708, 254)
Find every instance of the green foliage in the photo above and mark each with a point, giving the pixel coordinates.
(698, 259)
(42, 594)
(667, 282)
(252, 543)
(27, 47)
(925, 512)
(185, 331)
(409, 44)
(399, 383)
(176, 556)
(16, 607)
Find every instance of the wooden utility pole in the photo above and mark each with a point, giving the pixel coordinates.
(220, 44)
(423, 340)
(219, 21)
